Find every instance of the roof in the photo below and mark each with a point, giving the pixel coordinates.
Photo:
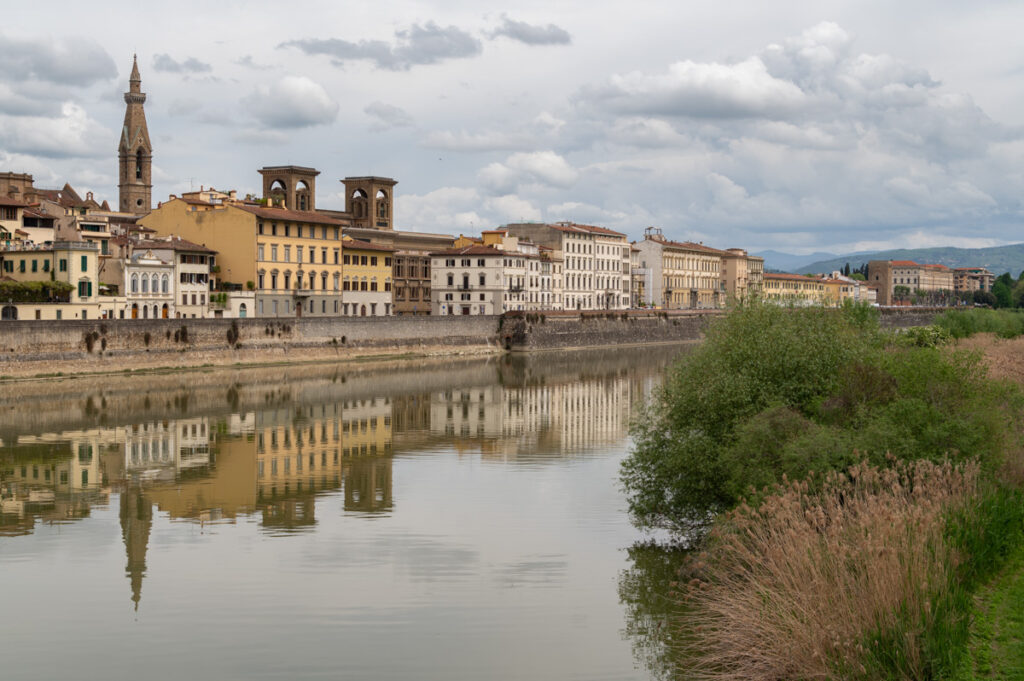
(4, 201)
(590, 229)
(175, 243)
(475, 249)
(352, 244)
(691, 246)
(790, 277)
(292, 215)
(29, 213)
(903, 263)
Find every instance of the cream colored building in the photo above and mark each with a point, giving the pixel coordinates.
(594, 262)
(795, 289)
(684, 275)
(742, 273)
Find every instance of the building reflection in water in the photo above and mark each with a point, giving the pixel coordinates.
(270, 459)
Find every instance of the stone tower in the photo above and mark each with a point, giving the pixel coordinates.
(370, 201)
(135, 153)
(292, 187)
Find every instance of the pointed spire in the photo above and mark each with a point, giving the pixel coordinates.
(135, 80)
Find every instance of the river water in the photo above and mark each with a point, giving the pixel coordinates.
(449, 520)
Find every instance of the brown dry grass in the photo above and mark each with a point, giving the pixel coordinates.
(790, 589)
(1004, 356)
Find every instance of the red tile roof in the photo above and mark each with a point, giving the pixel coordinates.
(175, 244)
(475, 249)
(790, 277)
(285, 214)
(591, 229)
(359, 244)
(5, 201)
(691, 246)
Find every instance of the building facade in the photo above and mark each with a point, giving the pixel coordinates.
(684, 275)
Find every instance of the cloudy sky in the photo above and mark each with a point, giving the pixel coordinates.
(796, 126)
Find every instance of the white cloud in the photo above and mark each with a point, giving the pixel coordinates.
(292, 102)
(387, 116)
(72, 134)
(538, 167)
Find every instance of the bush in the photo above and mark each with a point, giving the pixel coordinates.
(35, 291)
(966, 323)
(786, 392)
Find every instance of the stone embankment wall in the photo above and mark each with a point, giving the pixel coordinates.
(549, 330)
(123, 344)
(905, 317)
(29, 348)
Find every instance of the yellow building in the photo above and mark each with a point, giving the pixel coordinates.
(795, 289)
(742, 274)
(70, 262)
(366, 289)
(292, 259)
(684, 275)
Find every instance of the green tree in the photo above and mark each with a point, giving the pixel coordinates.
(857, 276)
(1003, 292)
(984, 298)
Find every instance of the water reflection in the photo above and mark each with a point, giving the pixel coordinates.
(263, 446)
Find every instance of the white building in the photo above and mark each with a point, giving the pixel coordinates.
(595, 262)
(148, 286)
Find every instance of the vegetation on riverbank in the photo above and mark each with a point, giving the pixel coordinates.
(968, 322)
(859, 487)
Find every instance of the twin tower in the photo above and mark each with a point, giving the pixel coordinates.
(368, 200)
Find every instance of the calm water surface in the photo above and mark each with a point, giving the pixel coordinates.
(448, 521)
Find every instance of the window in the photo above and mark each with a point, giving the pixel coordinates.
(21, 265)
(347, 258)
(373, 261)
(35, 265)
(85, 263)
(312, 255)
(135, 283)
(483, 279)
(362, 260)
(46, 265)
(480, 262)
(260, 228)
(335, 256)
(273, 252)
(287, 231)
(259, 252)
(387, 262)
(298, 231)
(288, 255)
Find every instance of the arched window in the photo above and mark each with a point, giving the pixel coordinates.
(164, 283)
(138, 164)
(145, 283)
(135, 283)
(145, 312)
(242, 310)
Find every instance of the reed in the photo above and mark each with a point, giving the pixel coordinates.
(803, 585)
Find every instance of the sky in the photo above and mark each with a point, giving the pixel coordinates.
(826, 126)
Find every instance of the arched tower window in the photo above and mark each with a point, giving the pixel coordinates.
(138, 164)
(382, 203)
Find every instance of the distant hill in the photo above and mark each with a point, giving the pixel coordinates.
(787, 262)
(997, 259)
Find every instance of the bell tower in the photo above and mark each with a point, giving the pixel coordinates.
(135, 152)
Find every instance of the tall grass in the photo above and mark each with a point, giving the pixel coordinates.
(794, 588)
(966, 323)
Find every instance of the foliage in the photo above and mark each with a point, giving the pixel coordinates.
(923, 337)
(789, 588)
(35, 291)
(966, 323)
(776, 392)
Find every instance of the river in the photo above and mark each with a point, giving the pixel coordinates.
(443, 520)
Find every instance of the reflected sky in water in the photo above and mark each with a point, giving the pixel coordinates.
(449, 520)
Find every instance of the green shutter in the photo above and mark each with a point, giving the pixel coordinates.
(85, 263)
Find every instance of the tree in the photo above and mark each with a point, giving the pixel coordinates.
(1003, 292)
(857, 276)
(846, 270)
(900, 292)
(984, 298)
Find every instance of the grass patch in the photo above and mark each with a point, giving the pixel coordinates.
(966, 323)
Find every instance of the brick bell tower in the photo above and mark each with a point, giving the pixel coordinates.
(135, 152)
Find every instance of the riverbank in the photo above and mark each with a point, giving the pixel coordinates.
(38, 349)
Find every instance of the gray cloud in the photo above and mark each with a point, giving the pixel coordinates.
(292, 102)
(167, 64)
(73, 61)
(248, 62)
(387, 116)
(532, 34)
(418, 45)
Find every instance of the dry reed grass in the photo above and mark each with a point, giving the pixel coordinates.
(793, 588)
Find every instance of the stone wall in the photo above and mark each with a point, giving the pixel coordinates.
(112, 339)
(540, 331)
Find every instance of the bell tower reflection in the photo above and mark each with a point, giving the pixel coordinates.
(136, 522)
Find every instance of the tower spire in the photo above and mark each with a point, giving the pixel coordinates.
(135, 152)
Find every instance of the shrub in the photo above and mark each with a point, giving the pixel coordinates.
(35, 291)
(966, 323)
(830, 583)
(776, 392)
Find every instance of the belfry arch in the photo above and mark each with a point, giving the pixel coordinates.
(293, 187)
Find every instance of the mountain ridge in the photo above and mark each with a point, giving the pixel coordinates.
(997, 259)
